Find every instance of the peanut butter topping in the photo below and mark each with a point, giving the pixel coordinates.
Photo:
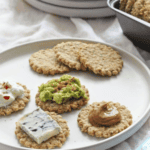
(106, 115)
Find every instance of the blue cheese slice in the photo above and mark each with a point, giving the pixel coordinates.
(39, 125)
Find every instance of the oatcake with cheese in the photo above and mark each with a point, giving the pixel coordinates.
(8, 90)
(53, 142)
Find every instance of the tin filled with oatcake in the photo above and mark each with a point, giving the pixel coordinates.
(134, 23)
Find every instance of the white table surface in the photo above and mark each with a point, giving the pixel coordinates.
(20, 23)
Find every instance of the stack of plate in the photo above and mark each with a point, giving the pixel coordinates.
(74, 8)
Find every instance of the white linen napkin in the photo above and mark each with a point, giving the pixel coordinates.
(20, 23)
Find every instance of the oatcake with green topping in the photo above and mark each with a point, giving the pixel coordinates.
(45, 62)
(62, 95)
(101, 59)
(67, 53)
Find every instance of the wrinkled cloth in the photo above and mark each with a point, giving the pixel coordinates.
(21, 23)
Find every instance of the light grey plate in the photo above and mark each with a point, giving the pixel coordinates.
(130, 88)
(72, 12)
(76, 4)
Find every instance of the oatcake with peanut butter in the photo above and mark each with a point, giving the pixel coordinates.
(104, 119)
(53, 142)
(45, 62)
(62, 95)
(67, 53)
(101, 59)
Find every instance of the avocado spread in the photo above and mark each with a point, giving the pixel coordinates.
(61, 90)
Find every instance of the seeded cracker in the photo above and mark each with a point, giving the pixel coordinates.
(55, 141)
(137, 8)
(101, 59)
(123, 4)
(145, 11)
(44, 61)
(18, 104)
(67, 53)
(129, 6)
(103, 131)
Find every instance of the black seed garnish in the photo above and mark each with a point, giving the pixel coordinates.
(34, 130)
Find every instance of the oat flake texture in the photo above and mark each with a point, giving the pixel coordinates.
(45, 62)
(123, 4)
(137, 8)
(101, 59)
(67, 53)
(129, 6)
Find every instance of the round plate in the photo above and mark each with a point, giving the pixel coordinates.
(71, 12)
(130, 88)
(76, 4)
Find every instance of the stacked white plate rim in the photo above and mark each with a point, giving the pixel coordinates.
(74, 8)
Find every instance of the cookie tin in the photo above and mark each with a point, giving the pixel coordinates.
(137, 30)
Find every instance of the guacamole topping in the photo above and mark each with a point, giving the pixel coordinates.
(61, 90)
